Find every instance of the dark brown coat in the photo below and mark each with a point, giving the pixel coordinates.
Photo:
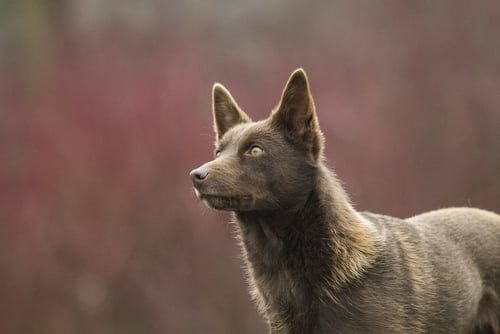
(315, 264)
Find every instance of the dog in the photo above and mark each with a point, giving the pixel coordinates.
(314, 263)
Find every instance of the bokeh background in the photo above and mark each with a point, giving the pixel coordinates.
(105, 108)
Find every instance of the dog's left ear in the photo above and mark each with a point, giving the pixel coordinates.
(296, 114)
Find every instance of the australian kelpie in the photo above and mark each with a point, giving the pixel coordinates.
(315, 264)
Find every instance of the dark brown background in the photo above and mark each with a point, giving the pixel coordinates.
(105, 108)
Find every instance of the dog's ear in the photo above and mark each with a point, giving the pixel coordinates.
(225, 110)
(296, 114)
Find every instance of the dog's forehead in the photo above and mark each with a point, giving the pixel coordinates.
(242, 132)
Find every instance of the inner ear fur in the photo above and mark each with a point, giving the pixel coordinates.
(296, 114)
(226, 111)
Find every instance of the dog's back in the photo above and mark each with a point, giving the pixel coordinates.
(438, 272)
(474, 236)
(475, 232)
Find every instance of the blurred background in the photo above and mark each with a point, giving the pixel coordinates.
(105, 108)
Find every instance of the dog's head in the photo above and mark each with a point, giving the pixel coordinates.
(266, 165)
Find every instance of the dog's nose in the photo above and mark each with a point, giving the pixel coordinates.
(198, 175)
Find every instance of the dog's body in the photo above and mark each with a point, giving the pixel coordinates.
(315, 264)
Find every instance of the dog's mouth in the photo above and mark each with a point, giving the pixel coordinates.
(225, 202)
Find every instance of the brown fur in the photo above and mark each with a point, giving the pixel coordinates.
(315, 264)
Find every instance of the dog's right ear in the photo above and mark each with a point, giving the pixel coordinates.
(226, 112)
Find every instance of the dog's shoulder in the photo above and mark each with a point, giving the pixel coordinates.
(379, 218)
(447, 218)
(459, 221)
(476, 229)
(456, 213)
(382, 222)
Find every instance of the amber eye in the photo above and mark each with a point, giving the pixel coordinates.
(255, 150)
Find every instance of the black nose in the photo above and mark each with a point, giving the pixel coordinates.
(198, 175)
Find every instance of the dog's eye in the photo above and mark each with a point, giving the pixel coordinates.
(217, 153)
(255, 150)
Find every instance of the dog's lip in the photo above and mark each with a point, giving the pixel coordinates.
(225, 202)
(209, 195)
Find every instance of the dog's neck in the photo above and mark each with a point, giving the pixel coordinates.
(297, 257)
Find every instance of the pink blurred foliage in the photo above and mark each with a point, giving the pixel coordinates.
(99, 228)
(95, 200)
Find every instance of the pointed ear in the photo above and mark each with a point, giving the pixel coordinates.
(296, 114)
(225, 110)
